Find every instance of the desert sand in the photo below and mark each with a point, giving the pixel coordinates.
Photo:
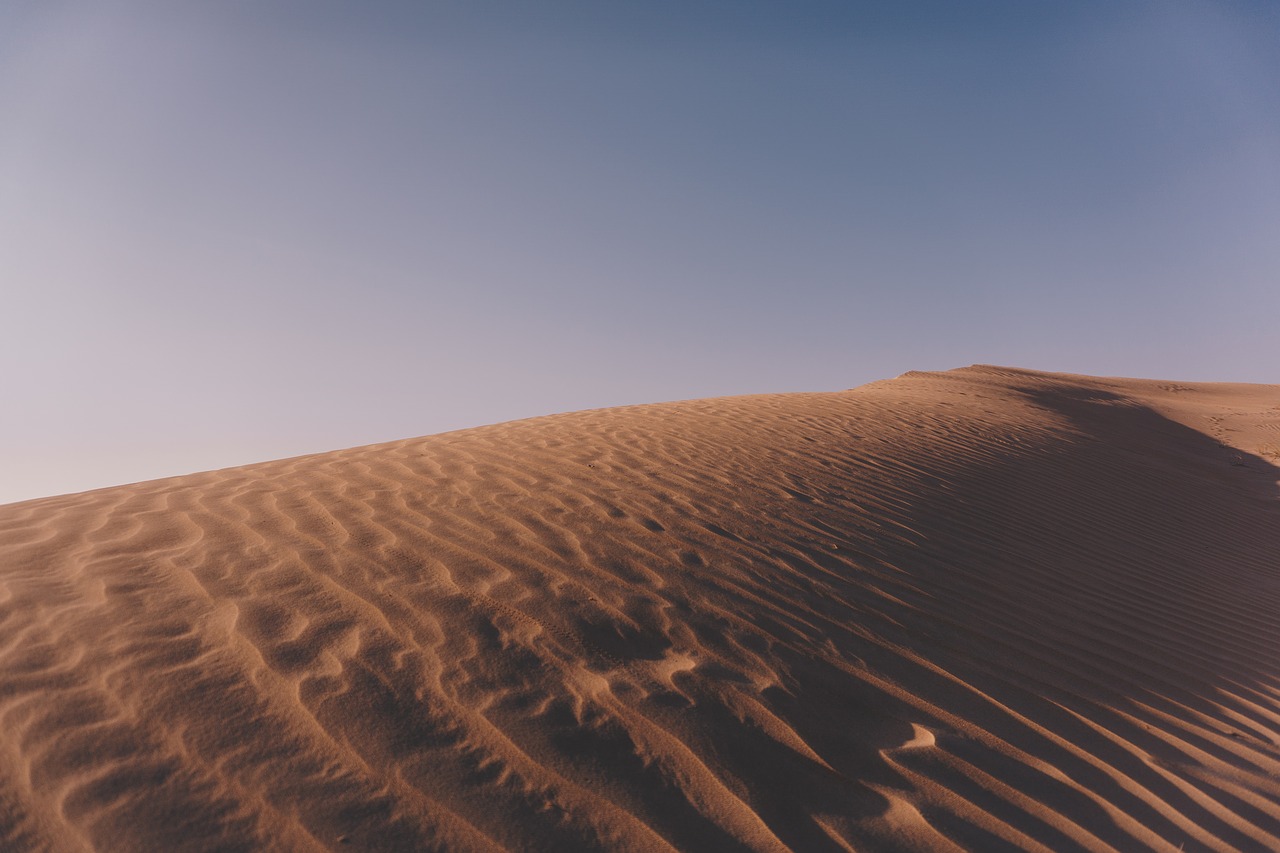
(982, 609)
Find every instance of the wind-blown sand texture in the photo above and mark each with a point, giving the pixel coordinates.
(983, 609)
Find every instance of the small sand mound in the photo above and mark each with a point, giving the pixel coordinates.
(982, 609)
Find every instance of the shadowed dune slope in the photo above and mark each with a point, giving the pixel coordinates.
(983, 609)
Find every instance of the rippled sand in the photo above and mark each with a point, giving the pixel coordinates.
(982, 609)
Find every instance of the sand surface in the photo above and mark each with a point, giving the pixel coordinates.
(984, 609)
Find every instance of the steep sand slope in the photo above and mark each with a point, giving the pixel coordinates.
(983, 609)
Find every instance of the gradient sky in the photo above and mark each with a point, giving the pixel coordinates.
(239, 230)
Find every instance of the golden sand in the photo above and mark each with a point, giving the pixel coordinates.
(981, 609)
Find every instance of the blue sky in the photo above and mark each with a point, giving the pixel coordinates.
(236, 231)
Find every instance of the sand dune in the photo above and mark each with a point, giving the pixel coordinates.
(984, 609)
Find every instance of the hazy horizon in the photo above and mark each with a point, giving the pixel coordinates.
(233, 233)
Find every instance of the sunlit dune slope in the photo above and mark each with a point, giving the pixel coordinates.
(984, 609)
